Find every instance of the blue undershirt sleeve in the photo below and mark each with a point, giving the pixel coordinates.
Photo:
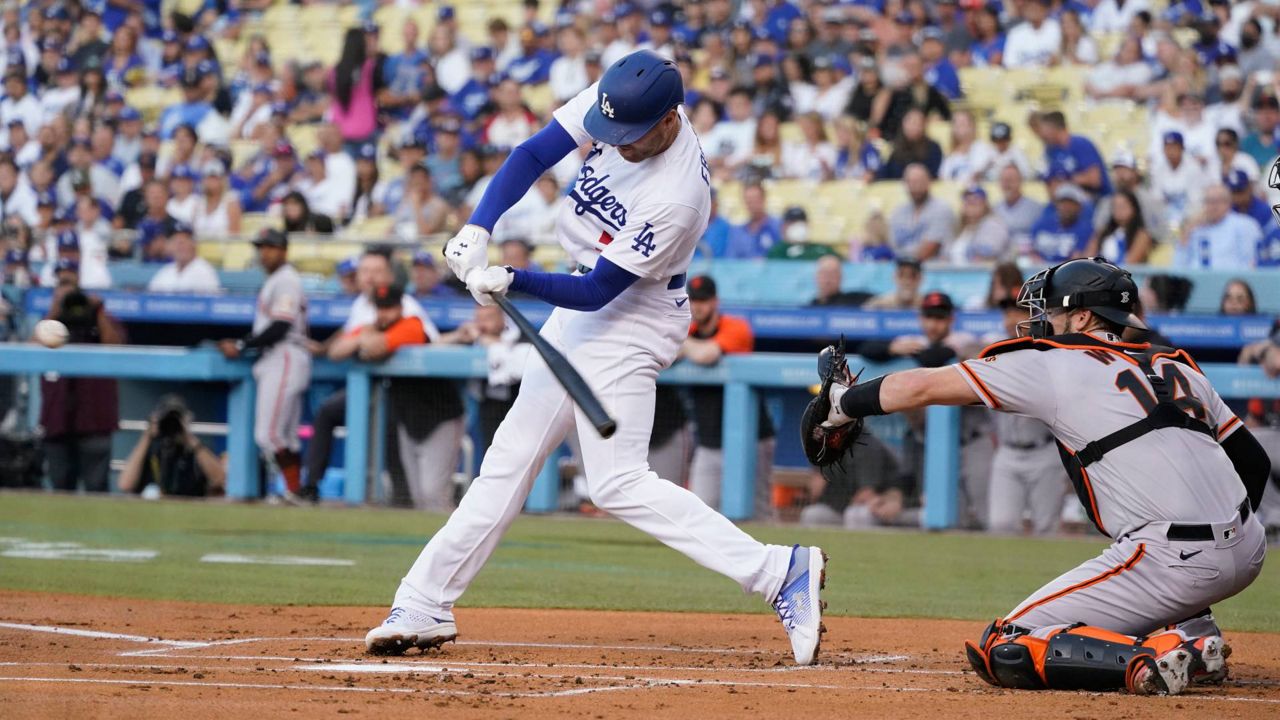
(588, 292)
(520, 171)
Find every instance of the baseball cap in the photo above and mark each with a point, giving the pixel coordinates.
(719, 73)
(196, 43)
(1173, 136)
(317, 154)
(594, 56)
(1001, 131)
(1124, 159)
(387, 296)
(272, 238)
(213, 168)
(760, 60)
(904, 18)
(369, 26)
(795, 213)
(14, 257)
(264, 88)
(129, 114)
(65, 65)
(66, 265)
(262, 57)
(660, 18)
(447, 124)
(445, 12)
(623, 9)
(46, 198)
(937, 304)
(975, 190)
(422, 257)
(347, 266)
(931, 32)
(147, 160)
(169, 36)
(177, 227)
(702, 287)
(280, 108)
(481, 53)
(1236, 180)
(367, 151)
(183, 172)
(283, 149)
(1069, 191)
(68, 240)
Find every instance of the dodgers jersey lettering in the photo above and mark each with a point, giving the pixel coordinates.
(646, 217)
(1171, 475)
(281, 298)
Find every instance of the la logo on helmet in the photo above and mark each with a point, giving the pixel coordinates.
(605, 107)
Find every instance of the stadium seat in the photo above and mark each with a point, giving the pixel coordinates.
(372, 228)
(152, 100)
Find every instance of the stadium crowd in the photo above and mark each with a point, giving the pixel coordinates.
(397, 134)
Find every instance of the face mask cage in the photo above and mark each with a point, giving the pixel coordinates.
(1273, 179)
(1032, 298)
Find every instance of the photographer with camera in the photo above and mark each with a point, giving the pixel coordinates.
(169, 455)
(78, 414)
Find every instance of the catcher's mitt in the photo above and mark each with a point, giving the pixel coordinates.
(826, 445)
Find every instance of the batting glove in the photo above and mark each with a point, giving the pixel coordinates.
(467, 251)
(487, 282)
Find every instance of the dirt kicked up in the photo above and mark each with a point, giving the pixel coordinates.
(90, 657)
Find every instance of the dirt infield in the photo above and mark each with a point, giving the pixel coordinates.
(89, 657)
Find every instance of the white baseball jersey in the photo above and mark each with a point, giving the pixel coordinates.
(646, 217)
(281, 298)
(1086, 392)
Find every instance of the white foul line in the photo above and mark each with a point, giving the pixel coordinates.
(102, 635)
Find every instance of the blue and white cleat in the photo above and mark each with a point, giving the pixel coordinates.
(798, 604)
(405, 628)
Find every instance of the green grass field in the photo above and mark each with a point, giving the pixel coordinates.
(543, 562)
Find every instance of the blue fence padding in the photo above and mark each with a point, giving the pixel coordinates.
(742, 376)
(787, 283)
(1187, 331)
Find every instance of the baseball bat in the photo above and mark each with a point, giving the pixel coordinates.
(564, 372)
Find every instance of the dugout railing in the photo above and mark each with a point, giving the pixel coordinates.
(742, 376)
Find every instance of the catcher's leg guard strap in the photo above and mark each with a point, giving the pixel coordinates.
(1087, 658)
(977, 652)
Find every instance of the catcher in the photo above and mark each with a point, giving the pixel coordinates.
(1160, 464)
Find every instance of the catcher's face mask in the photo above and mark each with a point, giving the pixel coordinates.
(1273, 179)
(1032, 297)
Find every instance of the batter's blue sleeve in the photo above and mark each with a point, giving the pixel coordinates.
(588, 292)
(523, 167)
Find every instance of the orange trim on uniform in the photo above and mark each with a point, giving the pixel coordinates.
(1106, 347)
(1093, 501)
(982, 387)
(1222, 431)
(1178, 355)
(1113, 572)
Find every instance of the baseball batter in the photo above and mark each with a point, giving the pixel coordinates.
(1160, 464)
(283, 367)
(632, 220)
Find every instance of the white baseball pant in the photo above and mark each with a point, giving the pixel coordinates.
(619, 351)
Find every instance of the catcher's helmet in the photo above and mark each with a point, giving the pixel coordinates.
(1086, 283)
(633, 95)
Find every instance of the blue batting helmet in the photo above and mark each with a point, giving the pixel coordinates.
(633, 95)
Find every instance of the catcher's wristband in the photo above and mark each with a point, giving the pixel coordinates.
(862, 400)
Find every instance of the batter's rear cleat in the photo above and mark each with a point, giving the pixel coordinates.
(799, 605)
(1167, 675)
(404, 629)
(1208, 659)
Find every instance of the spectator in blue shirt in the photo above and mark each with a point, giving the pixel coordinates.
(1224, 240)
(1064, 229)
(404, 75)
(193, 108)
(1269, 249)
(473, 96)
(760, 232)
(1075, 154)
(777, 21)
(1263, 144)
(987, 49)
(533, 66)
(938, 72)
(715, 241)
(1244, 201)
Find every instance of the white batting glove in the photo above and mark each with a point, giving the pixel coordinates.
(486, 282)
(467, 251)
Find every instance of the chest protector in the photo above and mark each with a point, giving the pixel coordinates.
(1168, 412)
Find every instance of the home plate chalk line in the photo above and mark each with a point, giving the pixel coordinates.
(170, 649)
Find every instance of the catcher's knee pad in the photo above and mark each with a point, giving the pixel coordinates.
(1087, 658)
